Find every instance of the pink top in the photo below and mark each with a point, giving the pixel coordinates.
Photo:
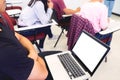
(59, 6)
(96, 13)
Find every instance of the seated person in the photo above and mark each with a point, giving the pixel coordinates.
(18, 58)
(61, 9)
(97, 13)
(37, 12)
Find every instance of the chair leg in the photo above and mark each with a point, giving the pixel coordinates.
(106, 59)
(37, 45)
(59, 37)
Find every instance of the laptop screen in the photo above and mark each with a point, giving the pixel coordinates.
(90, 51)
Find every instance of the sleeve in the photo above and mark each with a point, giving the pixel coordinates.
(104, 18)
(43, 16)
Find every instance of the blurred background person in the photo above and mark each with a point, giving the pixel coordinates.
(37, 12)
(97, 13)
(110, 5)
(61, 9)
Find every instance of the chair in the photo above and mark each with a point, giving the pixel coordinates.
(13, 7)
(10, 6)
(32, 38)
(64, 23)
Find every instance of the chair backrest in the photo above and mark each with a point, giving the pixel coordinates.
(7, 20)
(13, 7)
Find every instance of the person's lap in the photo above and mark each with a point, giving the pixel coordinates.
(105, 38)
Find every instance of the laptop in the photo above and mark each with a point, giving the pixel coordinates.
(81, 62)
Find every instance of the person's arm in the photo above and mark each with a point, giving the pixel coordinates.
(104, 18)
(28, 45)
(62, 7)
(39, 70)
(70, 11)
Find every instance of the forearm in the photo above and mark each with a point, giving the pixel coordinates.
(70, 11)
(28, 45)
(25, 42)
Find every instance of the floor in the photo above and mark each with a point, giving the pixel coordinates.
(109, 70)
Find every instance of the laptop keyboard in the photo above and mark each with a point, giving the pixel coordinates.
(70, 65)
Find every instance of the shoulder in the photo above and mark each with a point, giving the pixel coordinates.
(38, 3)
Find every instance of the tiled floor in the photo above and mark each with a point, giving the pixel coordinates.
(106, 71)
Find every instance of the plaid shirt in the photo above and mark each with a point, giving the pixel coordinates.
(78, 23)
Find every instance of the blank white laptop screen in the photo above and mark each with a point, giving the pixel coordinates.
(89, 51)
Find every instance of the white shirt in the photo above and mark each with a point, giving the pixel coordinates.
(34, 14)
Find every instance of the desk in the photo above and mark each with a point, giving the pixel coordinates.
(112, 27)
(13, 1)
(68, 15)
(35, 26)
(13, 12)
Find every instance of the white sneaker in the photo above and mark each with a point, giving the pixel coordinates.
(54, 37)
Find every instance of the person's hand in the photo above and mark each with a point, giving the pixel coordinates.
(50, 4)
(33, 54)
(78, 9)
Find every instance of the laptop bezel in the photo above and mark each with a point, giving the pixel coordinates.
(80, 61)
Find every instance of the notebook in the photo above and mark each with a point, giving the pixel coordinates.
(87, 54)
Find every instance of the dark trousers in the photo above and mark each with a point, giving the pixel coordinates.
(46, 30)
(104, 38)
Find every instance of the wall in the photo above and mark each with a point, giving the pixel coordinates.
(116, 8)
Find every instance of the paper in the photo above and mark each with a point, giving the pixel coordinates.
(112, 27)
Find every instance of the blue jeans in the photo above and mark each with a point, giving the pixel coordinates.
(110, 5)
